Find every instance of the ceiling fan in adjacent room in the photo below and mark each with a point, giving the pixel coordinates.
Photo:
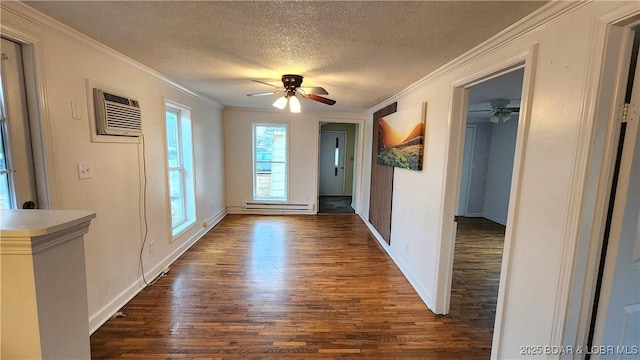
(500, 110)
(291, 89)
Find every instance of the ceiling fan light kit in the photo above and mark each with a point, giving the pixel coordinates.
(290, 91)
(500, 111)
(294, 104)
(500, 115)
(281, 103)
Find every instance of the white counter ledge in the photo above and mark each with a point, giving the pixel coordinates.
(43, 287)
(31, 223)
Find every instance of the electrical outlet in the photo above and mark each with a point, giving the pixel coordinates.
(205, 223)
(152, 247)
(85, 170)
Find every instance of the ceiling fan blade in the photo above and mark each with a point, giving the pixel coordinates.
(321, 99)
(265, 93)
(512, 109)
(266, 83)
(314, 90)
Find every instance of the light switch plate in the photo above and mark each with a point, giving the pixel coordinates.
(75, 111)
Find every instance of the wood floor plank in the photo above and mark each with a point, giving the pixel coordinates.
(295, 287)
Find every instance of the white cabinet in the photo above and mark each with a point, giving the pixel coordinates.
(43, 288)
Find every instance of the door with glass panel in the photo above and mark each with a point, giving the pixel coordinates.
(17, 178)
(332, 161)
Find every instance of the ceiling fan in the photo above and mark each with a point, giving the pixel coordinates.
(500, 110)
(291, 89)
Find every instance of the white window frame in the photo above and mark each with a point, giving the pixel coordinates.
(185, 167)
(4, 147)
(286, 163)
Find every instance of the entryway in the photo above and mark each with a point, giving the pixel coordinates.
(336, 166)
(485, 183)
(335, 205)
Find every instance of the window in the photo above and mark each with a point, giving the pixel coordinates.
(6, 201)
(270, 162)
(180, 167)
(5, 174)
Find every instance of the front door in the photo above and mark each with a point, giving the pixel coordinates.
(17, 179)
(332, 161)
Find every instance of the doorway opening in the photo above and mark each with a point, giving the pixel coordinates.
(488, 154)
(336, 168)
(17, 171)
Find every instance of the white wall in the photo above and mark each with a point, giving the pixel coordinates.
(530, 293)
(303, 152)
(467, 168)
(113, 244)
(499, 169)
(490, 177)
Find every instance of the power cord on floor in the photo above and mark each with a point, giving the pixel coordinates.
(164, 273)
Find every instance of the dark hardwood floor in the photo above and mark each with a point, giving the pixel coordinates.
(476, 273)
(335, 205)
(293, 287)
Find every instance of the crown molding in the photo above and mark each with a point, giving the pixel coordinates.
(540, 18)
(32, 16)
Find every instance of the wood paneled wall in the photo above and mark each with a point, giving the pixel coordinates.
(381, 183)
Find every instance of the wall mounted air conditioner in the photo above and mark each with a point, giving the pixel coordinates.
(116, 115)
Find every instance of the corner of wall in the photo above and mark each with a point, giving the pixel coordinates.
(424, 294)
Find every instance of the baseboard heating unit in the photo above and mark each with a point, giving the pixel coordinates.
(272, 206)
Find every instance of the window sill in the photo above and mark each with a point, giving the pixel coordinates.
(181, 229)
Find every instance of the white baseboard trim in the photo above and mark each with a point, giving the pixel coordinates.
(97, 319)
(424, 295)
(239, 210)
(215, 219)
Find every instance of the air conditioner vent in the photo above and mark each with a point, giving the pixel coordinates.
(116, 98)
(116, 115)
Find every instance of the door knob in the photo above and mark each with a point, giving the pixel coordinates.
(29, 205)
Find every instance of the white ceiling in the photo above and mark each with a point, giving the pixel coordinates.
(362, 53)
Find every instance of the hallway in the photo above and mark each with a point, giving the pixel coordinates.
(256, 287)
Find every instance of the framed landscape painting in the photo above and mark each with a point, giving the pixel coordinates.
(401, 140)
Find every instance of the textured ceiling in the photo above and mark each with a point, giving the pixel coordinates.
(362, 53)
